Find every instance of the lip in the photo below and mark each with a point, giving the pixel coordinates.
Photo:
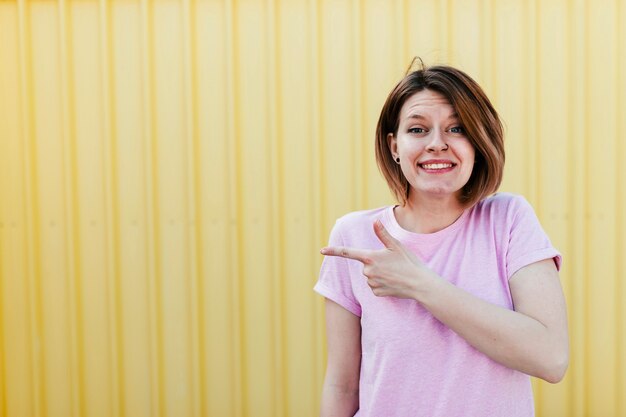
(436, 161)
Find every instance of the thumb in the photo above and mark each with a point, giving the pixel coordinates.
(384, 236)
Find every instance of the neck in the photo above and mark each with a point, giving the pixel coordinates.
(429, 215)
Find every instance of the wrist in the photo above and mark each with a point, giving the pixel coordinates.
(426, 285)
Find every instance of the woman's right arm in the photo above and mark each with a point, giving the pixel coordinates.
(340, 395)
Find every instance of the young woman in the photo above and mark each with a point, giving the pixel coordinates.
(444, 304)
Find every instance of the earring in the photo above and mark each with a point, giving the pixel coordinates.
(397, 160)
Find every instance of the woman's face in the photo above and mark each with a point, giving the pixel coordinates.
(435, 155)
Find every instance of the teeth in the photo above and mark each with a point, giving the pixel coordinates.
(436, 166)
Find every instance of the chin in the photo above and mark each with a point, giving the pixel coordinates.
(439, 192)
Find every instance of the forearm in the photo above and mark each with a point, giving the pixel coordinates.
(339, 401)
(340, 393)
(511, 338)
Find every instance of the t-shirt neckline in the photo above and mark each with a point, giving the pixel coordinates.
(407, 236)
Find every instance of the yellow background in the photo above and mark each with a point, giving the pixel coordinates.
(170, 168)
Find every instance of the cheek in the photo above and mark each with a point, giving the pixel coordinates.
(466, 152)
(469, 153)
(471, 159)
(470, 162)
(410, 148)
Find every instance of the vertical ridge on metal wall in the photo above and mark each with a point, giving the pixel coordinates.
(112, 271)
(446, 44)
(71, 210)
(535, 104)
(620, 192)
(193, 226)
(530, 100)
(491, 74)
(198, 215)
(197, 221)
(584, 204)
(31, 205)
(400, 34)
(277, 214)
(234, 231)
(361, 95)
(576, 247)
(358, 97)
(152, 233)
(618, 207)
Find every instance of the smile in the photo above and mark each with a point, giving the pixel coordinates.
(436, 166)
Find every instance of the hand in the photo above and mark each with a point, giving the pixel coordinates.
(392, 271)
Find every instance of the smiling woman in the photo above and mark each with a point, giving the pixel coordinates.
(445, 304)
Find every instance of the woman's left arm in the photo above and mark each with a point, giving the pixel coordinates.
(532, 338)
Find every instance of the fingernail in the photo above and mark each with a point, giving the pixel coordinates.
(323, 251)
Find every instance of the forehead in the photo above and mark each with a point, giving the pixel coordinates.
(427, 103)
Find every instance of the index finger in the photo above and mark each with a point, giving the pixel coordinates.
(360, 255)
(384, 236)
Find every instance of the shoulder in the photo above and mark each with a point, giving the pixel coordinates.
(506, 214)
(500, 205)
(361, 216)
(358, 224)
(502, 212)
(502, 200)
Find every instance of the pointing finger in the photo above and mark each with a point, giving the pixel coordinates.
(360, 255)
(385, 237)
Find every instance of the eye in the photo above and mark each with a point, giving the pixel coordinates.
(417, 130)
(457, 129)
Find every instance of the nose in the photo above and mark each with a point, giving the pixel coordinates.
(437, 142)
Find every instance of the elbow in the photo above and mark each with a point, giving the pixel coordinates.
(554, 372)
(556, 375)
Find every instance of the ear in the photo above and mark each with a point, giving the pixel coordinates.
(392, 142)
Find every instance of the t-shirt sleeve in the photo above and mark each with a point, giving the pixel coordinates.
(334, 280)
(528, 243)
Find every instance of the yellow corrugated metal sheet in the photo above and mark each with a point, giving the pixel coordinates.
(169, 169)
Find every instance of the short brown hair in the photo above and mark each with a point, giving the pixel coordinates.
(477, 115)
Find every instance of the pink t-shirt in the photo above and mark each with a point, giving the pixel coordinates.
(411, 363)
